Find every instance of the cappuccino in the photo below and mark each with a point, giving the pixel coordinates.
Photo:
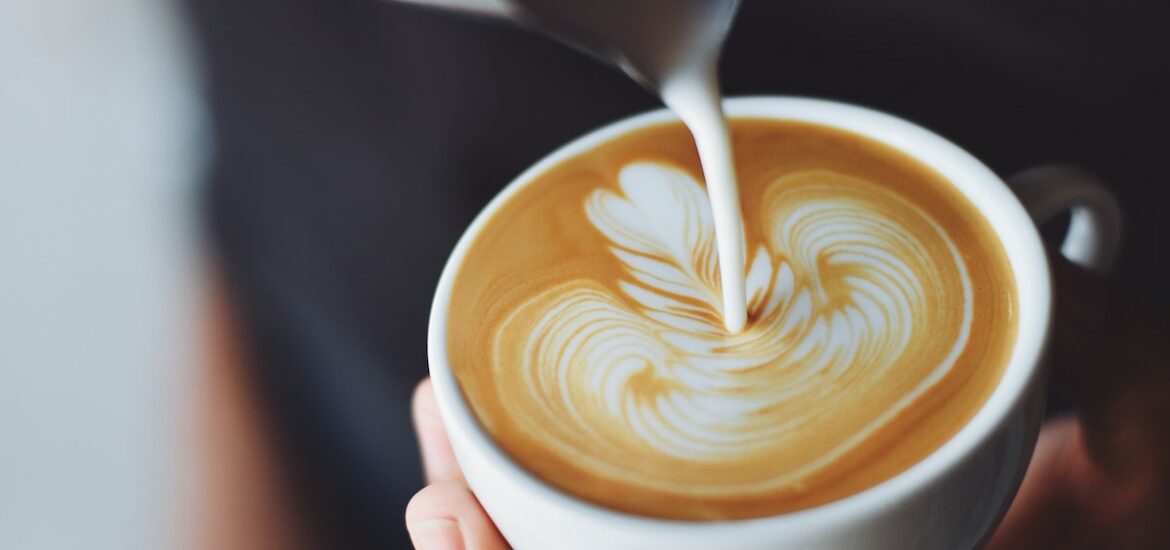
(585, 325)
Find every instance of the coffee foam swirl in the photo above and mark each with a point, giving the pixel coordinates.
(837, 296)
(586, 331)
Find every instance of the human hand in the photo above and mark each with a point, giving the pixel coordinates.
(1098, 479)
(444, 515)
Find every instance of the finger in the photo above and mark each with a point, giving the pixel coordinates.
(1110, 357)
(437, 456)
(1044, 511)
(446, 516)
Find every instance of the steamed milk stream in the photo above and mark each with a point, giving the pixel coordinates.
(672, 47)
(586, 328)
(694, 96)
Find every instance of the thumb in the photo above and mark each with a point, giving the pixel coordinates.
(446, 516)
(438, 458)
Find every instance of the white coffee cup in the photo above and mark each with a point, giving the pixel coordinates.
(951, 499)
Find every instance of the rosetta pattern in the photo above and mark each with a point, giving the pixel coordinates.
(842, 295)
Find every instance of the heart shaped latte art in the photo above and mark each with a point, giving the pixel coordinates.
(636, 381)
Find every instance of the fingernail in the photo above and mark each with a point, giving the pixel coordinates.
(436, 534)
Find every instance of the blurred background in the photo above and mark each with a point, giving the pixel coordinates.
(221, 221)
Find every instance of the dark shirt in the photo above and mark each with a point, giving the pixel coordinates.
(355, 140)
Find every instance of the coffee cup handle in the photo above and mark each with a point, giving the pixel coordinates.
(1094, 232)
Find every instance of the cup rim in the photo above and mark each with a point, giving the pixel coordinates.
(1013, 227)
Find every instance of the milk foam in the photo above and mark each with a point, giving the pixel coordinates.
(837, 295)
(586, 325)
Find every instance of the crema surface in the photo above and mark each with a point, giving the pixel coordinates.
(585, 326)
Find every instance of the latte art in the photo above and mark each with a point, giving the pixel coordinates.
(618, 382)
(837, 295)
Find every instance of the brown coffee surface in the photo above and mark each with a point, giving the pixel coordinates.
(584, 325)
